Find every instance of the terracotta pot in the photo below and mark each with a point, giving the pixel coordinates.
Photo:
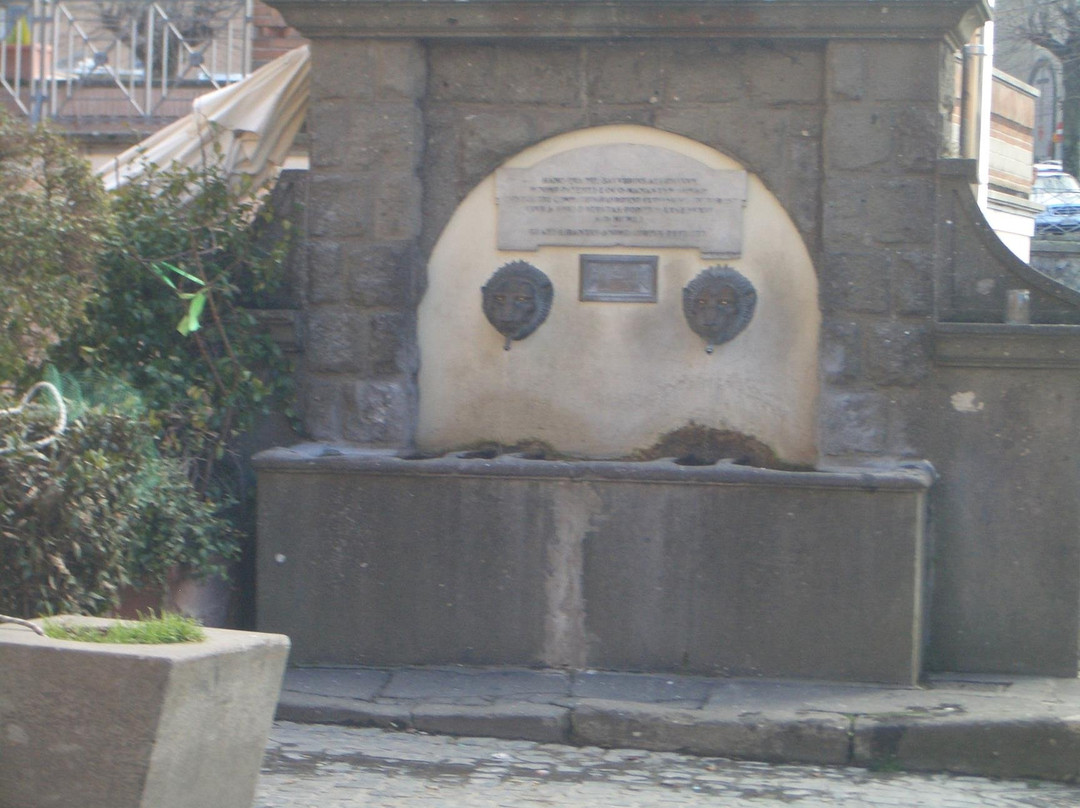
(205, 599)
(27, 61)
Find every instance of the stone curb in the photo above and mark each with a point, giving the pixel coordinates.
(305, 708)
(817, 739)
(1045, 748)
(1034, 737)
(545, 723)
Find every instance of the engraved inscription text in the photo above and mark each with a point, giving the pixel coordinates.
(621, 195)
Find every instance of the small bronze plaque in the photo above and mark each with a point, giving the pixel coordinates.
(619, 278)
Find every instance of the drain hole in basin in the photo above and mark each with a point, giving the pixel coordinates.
(694, 460)
(532, 455)
(480, 454)
(419, 456)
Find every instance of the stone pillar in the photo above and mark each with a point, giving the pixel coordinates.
(885, 129)
(367, 140)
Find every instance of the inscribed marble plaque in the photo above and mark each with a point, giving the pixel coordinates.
(621, 194)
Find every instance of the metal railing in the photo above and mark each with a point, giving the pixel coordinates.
(95, 59)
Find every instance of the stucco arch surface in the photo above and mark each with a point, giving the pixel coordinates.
(603, 379)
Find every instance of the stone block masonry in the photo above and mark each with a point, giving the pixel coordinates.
(367, 140)
(431, 111)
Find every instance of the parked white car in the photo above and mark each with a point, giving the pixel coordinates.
(1060, 194)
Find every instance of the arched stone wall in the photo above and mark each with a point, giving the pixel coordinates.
(604, 379)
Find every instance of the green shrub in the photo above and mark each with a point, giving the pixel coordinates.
(53, 220)
(131, 490)
(183, 263)
(96, 511)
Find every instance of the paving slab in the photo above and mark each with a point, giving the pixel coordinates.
(452, 685)
(352, 683)
(643, 687)
(990, 725)
(751, 694)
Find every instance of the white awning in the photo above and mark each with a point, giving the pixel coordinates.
(247, 128)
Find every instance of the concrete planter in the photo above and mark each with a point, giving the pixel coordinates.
(153, 726)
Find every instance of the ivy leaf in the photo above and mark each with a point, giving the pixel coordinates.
(190, 321)
(158, 269)
(163, 268)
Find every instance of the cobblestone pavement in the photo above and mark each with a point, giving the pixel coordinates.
(316, 766)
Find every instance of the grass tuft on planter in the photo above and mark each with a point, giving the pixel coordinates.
(167, 627)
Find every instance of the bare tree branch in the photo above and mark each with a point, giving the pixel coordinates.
(1054, 26)
(18, 621)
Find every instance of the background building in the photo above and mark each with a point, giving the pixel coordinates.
(111, 73)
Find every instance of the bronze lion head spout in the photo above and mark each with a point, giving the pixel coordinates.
(718, 304)
(517, 299)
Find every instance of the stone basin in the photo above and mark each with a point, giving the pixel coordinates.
(370, 558)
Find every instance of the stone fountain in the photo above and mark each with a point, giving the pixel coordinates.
(665, 336)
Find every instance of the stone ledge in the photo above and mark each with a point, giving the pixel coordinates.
(589, 19)
(1006, 346)
(327, 458)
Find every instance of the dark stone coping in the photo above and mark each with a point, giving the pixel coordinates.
(955, 20)
(322, 458)
(1007, 345)
(1065, 243)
